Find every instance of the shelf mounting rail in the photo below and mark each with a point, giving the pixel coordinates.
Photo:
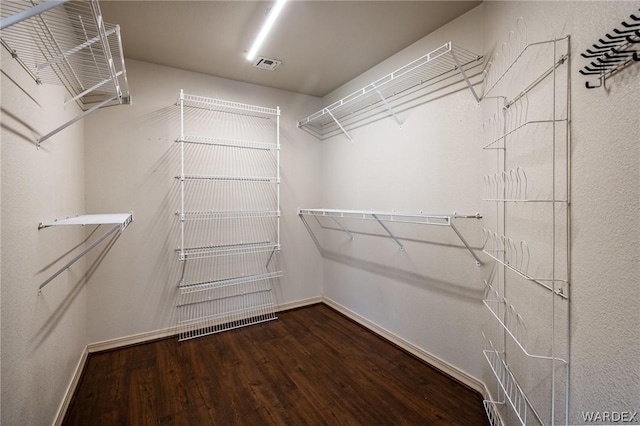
(67, 43)
(427, 70)
(381, 217)
(119, 220)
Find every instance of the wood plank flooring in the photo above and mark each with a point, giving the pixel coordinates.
(312, 366)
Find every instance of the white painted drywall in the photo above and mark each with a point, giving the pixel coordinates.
(43, 336)
(131, 162)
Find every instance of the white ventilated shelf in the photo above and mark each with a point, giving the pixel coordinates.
(427, 70)
(217, 284)
(212, 104)
(262, 179)
(122, 219)
(67, 43)
(229, 214)
(381, 217)
(119, 221)
(235, 143)
(227, 250)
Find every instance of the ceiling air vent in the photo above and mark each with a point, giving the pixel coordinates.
(266, 63)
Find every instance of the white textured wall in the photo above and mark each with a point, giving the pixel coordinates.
(131, 161)
(42, 336)
(430, 294)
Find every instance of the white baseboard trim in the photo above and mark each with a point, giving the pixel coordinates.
(71, 389)
(420, 353)
(172, 331)
(299, 303)
(131, 340)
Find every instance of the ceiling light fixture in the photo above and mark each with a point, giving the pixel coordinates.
(273, 14)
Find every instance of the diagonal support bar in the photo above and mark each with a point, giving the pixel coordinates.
(384, 101)
(342, 227)
(339, 125)
(73, 120)
(478, 262)
(80, 255)
(464, 75)
(388, 231)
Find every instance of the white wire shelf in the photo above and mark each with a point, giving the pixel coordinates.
(235, 143)
(228, 214)
(227, 250)
(516, 258)
(383, 216)
(119, 220)
(509, 385)
(67, 43)
(215, 323)
(511, 321)
(492, 412)
(429, 69)
(216, 284)
(263, 179)
(211, 104)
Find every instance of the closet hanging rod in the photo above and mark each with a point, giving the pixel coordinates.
(384, 216)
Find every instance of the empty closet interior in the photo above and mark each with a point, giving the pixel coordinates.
(470, 195)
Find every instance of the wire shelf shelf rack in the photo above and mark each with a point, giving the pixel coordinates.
(67, 43)
(445, 61)
(529, 138)
(234, 249)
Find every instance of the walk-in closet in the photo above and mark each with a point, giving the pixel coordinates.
(320, 212)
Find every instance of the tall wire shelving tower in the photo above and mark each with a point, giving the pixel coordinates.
(229, 214)
(527, 88)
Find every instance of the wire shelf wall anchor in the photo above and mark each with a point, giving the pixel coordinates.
(613, 52)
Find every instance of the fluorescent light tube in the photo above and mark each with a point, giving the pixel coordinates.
(273, 14)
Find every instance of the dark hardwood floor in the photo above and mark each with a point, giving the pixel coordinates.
(310, 367)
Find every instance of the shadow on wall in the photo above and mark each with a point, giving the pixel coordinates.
(58, 313)
(395, 273)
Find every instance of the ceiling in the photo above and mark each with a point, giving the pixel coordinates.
(322, 44)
